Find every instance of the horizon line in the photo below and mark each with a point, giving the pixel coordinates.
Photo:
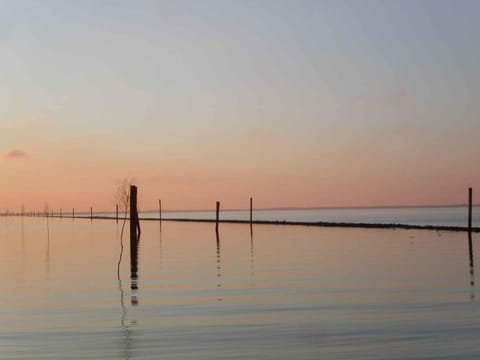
(424, 206)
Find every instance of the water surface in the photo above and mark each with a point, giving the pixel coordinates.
(279, 292)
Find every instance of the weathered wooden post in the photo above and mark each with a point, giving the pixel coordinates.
(160, 210)
(134, 225)
(134, 237)
(470, 209)
(251, 211)
(217, 216)
(116, 213)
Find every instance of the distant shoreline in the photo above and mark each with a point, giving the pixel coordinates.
(306, 208)
(291, 223)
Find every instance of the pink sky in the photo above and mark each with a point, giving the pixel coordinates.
(296, 104)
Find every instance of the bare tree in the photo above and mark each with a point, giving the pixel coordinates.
(122, 198)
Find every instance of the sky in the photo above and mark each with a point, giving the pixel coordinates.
(295, 103)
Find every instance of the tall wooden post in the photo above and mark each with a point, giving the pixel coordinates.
(160, 210)
(116, 213)
(470, 209)
(217, 215)
(251, 210)
(134, 235)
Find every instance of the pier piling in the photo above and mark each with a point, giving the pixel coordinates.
(134, 232)
(160, 210)
(251, 211)
(217, 215)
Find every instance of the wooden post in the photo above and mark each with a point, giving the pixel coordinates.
(133, 213)
(251, 210)
(61, 214)
(116, 213)
(470, 209)
(134, 238)
(73, 213)
(217, 216)
(160, 210)
(134, 235)
(91, 213)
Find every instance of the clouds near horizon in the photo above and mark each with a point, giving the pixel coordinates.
(16, 154)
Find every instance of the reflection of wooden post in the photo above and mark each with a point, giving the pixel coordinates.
(116, 213)
(470, 209)
(217, 215)
(251, 207)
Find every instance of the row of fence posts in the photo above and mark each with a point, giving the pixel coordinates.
(217, 212)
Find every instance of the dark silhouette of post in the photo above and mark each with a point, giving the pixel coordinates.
(91, 213)
(61, 213)
(134, 222)
(73, 213)
(217, 215)
(116, 213)
(251, 211)
(134, 238)
(160, 210)
(470, 209)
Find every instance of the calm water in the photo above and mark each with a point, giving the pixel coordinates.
(284, 292)
(452, 216)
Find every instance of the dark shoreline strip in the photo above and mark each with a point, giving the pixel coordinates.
(298, 223)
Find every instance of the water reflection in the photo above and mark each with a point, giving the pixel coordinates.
(472, 275)
(134, 242)
(23, 242)
(127, 331)
(160, 243)
(47, 257)
(219, 264)
(252, 257)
